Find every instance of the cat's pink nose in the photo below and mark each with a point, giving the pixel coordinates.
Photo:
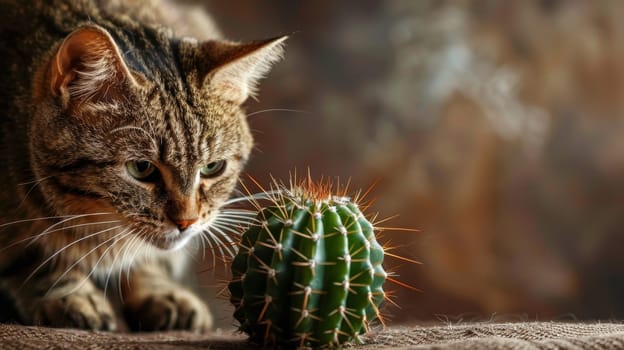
(183, 224)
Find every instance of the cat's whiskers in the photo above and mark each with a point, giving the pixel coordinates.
(32, 181)
(152, 251)
(93, 269)
(228, 220)
(237, 191)
(233, 230)
(246, 215)
(65, 247)
(231, 244)
(125, 248)
(35, 183)
(251, 197)
(240, 216)
(229, 247)
(219, 244)
(238, 222)
(204, 236)
(113, 263)
(47, 218)
(126, 259)
(63, 228)
(279, 110)
(232, 217)
(116, 237)
(41, 234)
(139, 242)
(79, 216)
(203, 243)
(211, 237)
(238, 213)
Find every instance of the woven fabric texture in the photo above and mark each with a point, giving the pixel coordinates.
(539, 335)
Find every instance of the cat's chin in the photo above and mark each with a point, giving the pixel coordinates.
(173, 239)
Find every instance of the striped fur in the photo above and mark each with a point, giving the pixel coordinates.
(84, 88)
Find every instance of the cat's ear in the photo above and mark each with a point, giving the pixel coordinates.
(235, 69)
(88, 66)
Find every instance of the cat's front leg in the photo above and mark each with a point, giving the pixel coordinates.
(71, 301)
(153, 301)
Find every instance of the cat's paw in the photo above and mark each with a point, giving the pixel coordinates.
(177, 309)
(85, 310)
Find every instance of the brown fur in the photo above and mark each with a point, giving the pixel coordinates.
(84, 89)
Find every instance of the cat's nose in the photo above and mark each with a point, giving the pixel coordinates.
(183, 224)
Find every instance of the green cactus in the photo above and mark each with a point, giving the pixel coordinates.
(309, 272)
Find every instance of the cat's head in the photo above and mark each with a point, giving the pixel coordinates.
(144, 126)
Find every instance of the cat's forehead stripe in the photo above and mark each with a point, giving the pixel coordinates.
(152, 54)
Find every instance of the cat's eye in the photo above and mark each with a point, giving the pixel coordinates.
(213, 169)
(140, 169)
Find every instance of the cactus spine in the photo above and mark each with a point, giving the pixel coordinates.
(309, 272)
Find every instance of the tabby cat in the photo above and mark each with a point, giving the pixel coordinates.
(121, 142)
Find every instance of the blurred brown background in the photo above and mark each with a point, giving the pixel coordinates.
(495, 127)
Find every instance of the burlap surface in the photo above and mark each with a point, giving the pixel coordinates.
(541, 335)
